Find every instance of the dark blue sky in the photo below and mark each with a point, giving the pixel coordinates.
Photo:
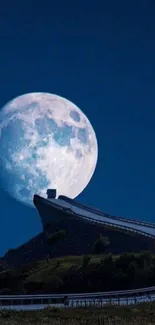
(101, 56)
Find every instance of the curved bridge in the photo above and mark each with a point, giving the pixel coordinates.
(70, 207)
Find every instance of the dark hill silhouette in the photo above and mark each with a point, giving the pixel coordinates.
(79, 240)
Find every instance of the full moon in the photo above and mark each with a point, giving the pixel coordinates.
(46, 141)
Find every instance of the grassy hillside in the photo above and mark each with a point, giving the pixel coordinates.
(81, 274)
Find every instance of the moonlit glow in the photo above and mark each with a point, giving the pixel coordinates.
(46, 142)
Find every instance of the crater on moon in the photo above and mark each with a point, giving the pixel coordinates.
(75, 116)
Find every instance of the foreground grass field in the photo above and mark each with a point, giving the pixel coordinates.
(143, 314)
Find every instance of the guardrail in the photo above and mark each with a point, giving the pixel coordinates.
(138, 222)
(80, 299)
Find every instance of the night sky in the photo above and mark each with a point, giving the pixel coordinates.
(101, 56)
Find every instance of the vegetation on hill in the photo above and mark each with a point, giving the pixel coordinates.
(101, 244)
(81, 274)
(58, 235)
